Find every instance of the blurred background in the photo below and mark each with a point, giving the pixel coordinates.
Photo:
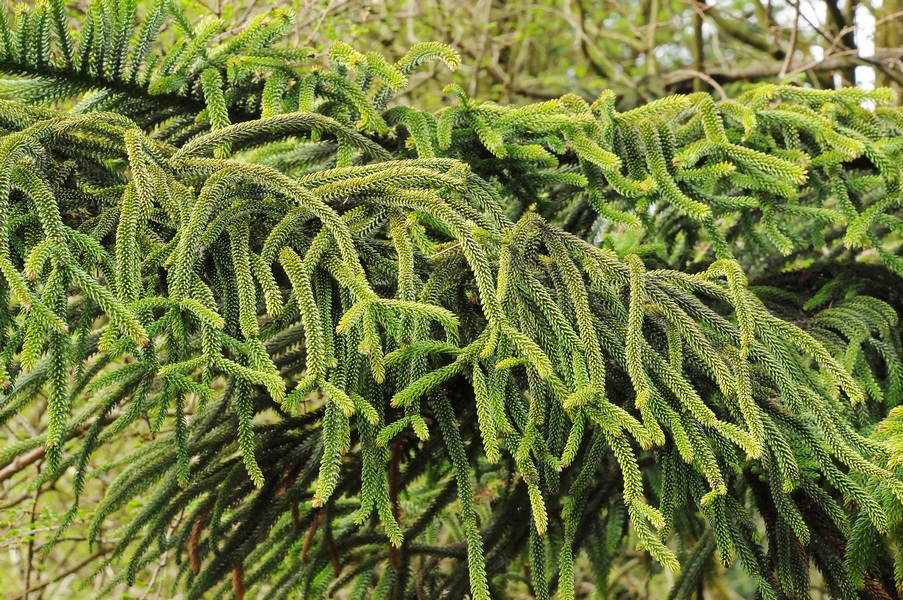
(526, 50)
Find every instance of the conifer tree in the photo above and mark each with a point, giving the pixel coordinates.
(673, 327)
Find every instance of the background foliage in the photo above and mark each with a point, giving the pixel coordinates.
(521, 50)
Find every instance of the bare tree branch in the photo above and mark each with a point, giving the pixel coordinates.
(73, 569)
(834, 62)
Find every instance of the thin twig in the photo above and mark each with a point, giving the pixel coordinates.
(832, 62)
(443, 251)
(703, 77)
(29, 564)
(74, 569)
(793, 34)
(22, 461)
(32, 456)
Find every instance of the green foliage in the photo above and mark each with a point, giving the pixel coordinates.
(343, 321)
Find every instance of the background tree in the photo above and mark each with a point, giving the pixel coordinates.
(527, 50)
(521, 50)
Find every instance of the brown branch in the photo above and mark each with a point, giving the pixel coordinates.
(32, 456)
(841, 60)
(312, 530)
(193, 539)
(698, 49)
(584, 42)
(296, 515)
(333, 553)
(29, 566)
(814, 26)
(699, 75)
(63, 575)
(792, 47)
(238, 581)
(22, 461)
(651, 28)
(730, 26)
(421, 577)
